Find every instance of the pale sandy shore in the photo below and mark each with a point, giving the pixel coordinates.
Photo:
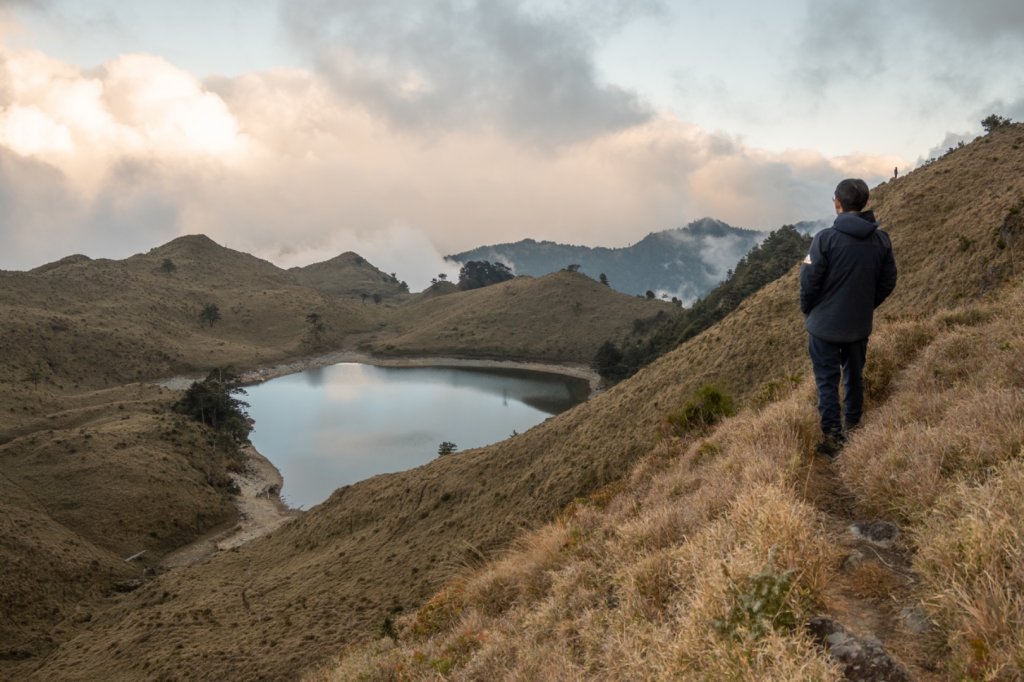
(260, 508)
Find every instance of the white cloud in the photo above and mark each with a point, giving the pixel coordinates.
(124, 157)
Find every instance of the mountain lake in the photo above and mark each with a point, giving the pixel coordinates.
(328, 427)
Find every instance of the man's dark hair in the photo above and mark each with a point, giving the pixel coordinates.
(852, 194)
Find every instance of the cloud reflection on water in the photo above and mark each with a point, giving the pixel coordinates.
(333, 426)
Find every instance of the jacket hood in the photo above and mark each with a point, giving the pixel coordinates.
(860, 225)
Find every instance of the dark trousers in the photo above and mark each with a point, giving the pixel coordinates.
(832, 361)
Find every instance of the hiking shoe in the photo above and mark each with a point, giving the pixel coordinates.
(830, 446)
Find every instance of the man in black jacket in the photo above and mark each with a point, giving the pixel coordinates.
(848, 272)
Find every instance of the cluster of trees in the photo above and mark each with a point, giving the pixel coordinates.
(653, 338)
(481, 273)
(575, 267)
(993, 121)
(212, 402)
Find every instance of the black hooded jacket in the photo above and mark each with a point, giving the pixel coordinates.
(848, 272)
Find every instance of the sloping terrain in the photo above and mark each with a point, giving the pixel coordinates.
(99, 322)
(348, 276)
(561, 317)
(687, 261)
(708, 561)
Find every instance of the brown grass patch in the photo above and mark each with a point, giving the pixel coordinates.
(971, 560)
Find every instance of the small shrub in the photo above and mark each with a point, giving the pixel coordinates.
(709, 406)
(440, 613)
(446, 448)
(759, 604)
(388, 629)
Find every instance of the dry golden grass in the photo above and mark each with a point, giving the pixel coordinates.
(971, 560)
(636, 588)
(940, 453)
(347, 276)
(561, 317)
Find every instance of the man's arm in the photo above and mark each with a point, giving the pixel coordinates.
(812, 275)
(886, 276)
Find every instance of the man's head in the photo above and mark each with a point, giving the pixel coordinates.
(851, 195)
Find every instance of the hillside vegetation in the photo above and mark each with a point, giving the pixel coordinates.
(630, 578)
(561, 317)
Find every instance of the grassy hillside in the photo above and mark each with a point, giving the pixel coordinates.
(630, 577)
(660, 573)
(96, 323)
(561, 317)
(91, 480)
(348, 276)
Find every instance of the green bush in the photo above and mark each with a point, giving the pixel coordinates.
(708, 407)
(759, 604)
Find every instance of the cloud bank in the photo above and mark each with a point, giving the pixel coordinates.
(469, 123)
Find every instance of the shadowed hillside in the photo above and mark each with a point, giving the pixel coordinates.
(631, 579)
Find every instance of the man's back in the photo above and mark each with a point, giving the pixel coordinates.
(851, 271)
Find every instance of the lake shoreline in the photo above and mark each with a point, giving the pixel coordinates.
(262, 374)
(260, 507)
(583, 372)
(260, 510)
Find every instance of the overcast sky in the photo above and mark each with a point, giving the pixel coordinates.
(406, 129)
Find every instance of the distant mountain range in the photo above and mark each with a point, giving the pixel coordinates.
(685, 262)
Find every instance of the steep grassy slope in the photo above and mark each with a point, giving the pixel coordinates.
(282, 603)
(656, 578)
(638, 584)
(561, 317)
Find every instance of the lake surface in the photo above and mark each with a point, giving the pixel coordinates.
(331, 426)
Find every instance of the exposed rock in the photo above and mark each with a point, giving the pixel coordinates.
(915, 619)
(863, 659)
(880, 533)
(852, 561)
(127, 585)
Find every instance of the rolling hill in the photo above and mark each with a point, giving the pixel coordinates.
(348, 276)
(562, 317)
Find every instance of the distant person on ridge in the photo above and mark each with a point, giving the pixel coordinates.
(847, 273)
